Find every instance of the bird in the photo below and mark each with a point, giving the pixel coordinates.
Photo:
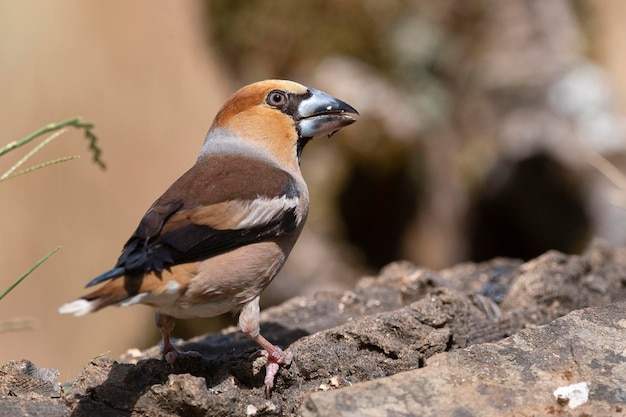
(221, 232)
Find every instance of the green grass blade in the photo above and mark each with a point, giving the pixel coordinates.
(74, 122)
(32, 268)
(32, 152)
(38, 166)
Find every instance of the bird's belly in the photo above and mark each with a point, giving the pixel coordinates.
(225, 283)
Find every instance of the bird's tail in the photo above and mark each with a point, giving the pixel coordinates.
(111, 293)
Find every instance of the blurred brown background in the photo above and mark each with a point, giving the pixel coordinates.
(481, 125)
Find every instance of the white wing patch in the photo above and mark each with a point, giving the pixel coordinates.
(262, 211)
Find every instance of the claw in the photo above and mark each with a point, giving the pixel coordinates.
(249, 324)
(279, 356)
(258, 353)
(275, 359)
(270, 373)
(165, 324)
(171, 356)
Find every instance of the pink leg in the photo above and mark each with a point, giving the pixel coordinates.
(249, 324)
(166, 324)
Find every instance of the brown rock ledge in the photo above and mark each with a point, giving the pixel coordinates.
(384, 331)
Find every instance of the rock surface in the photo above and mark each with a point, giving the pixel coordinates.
(365, 350)
(582, 354)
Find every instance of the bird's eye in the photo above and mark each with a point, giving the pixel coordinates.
(276, 98)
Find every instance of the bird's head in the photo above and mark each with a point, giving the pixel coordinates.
(278, 116)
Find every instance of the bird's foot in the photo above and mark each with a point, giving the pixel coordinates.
(171, 355)
(275, 358)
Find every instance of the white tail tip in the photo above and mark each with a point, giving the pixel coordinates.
(78, 307)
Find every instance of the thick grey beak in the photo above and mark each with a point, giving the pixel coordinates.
(323, 114)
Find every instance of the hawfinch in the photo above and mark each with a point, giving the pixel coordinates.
(218, 236)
